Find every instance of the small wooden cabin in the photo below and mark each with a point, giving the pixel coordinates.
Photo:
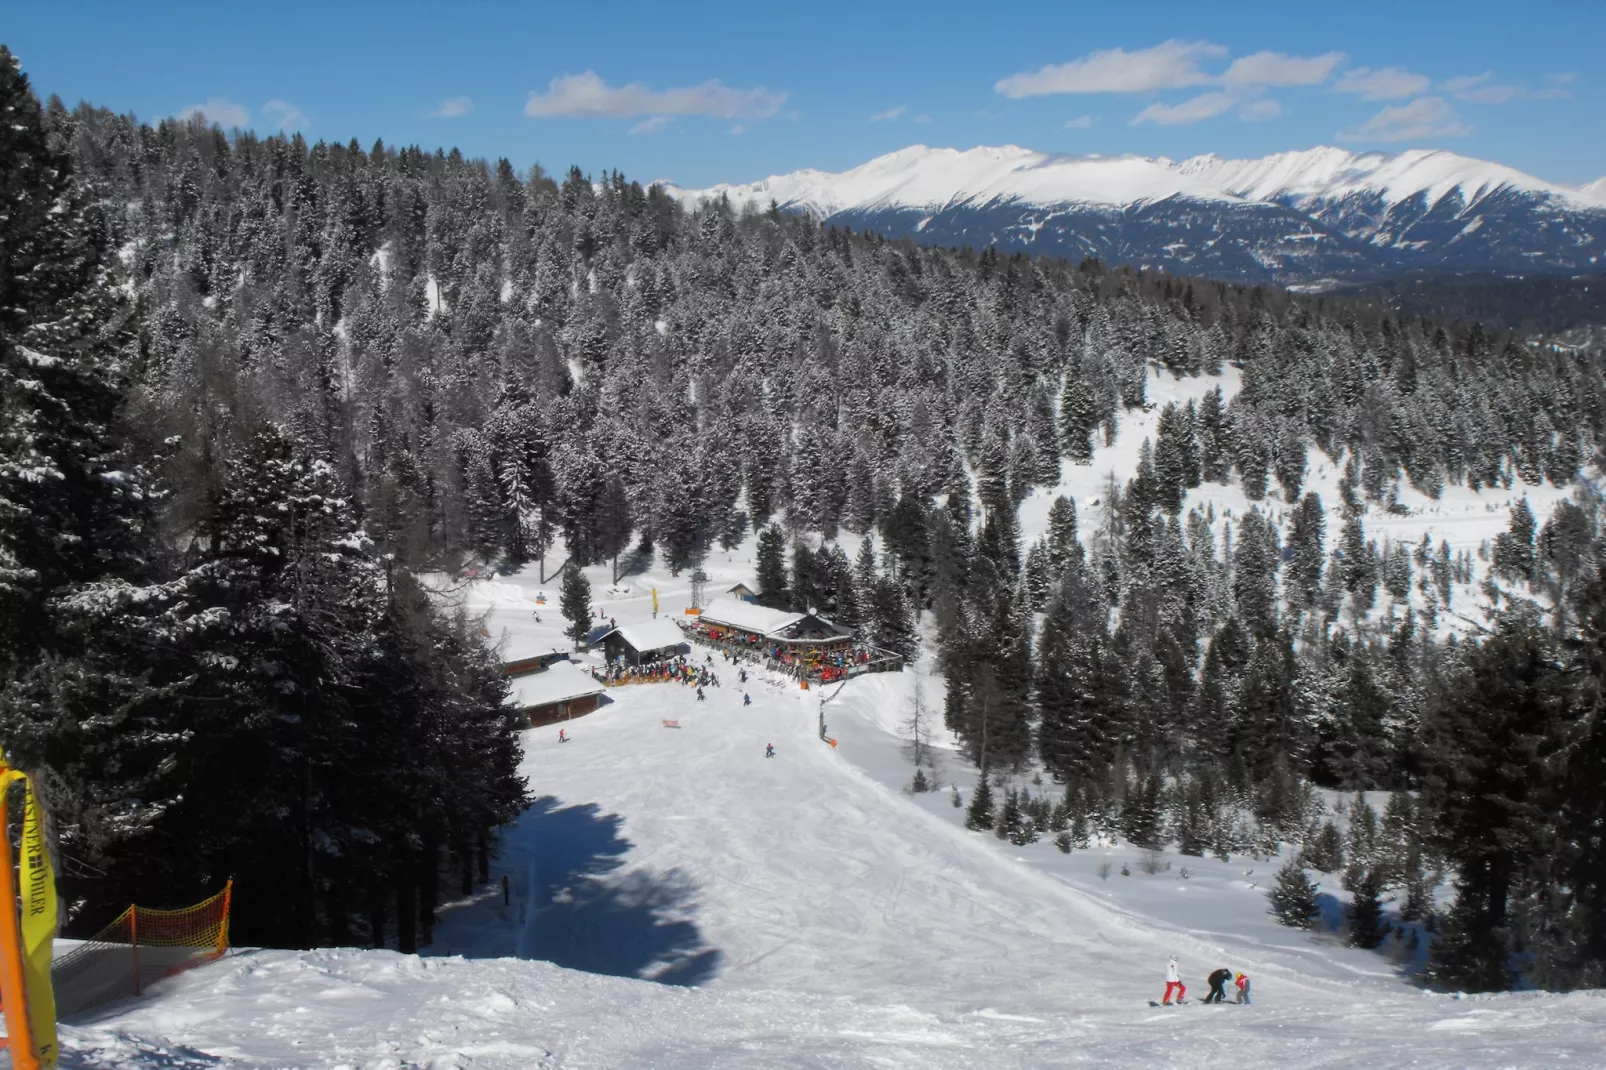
(644, 642)
(559, 693)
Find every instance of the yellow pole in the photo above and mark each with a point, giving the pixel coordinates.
(223, 927)
(133, 941)
(13, 989)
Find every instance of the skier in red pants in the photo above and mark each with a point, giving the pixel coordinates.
(1172, 982)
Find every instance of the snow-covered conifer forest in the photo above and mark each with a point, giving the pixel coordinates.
(1189, 553)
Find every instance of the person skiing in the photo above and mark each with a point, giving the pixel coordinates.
(1172, 981)
(747, 700)
(699, 692)
(769, 750)
(1241, 982)
(1218, 986)
(562, 737)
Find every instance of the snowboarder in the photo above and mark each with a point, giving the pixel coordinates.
(1218, 986)
(699, 692)
(562, 736)
(747, 700)
(1242, 984)
(769, 750)
(1172, 981)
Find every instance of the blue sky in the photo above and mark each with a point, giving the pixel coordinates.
(735, 92)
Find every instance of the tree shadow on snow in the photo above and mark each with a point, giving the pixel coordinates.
(1332, 925)
(585, 912)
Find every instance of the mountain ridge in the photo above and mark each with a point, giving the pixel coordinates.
(1292, 217)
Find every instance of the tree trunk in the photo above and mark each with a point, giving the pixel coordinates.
(407, 904)
(465, 871)
(376, 916)
(429, 892)
(484, 859)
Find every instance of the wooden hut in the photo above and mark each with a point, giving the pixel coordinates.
(644, 642)
(559, 693)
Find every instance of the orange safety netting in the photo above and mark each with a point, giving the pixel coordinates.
(142, 945)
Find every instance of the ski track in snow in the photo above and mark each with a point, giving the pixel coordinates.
(841, 924)
(677, 900)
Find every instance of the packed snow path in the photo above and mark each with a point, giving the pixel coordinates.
(700, 905)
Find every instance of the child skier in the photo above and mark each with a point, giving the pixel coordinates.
(699, 692)
(769, 750)
(562, 738)
(1218, 986)
(1242, 984)
(1173, 982)
(747, 700)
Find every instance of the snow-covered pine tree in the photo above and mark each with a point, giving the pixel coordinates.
(1293, 898)
(979, 816)
(72, 507)
(1367, 926)
(575, 603)
(772, 566)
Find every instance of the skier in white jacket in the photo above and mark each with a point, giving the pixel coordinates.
(1172, 981)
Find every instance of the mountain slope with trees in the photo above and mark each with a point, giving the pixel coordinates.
(334, 365)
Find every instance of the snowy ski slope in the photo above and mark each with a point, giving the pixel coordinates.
(677, 900)
(799, 912)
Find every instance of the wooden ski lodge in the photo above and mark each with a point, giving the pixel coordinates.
(560, 692)
(644, 642)
(733, 620)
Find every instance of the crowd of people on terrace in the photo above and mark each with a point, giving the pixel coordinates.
(677, 670)
(823, 663)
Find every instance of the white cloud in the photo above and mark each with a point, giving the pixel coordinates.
(1424, 117)
(1489, 94)
(284, 115)
(224, 113)
(736, 130)
(1081, 122)
(1277, 69)
(653, 125)
(452, 108)
(889, 114)
(1258, 111)
(1170, 65)
(587, 96)
(1465, 82)
(1193, 110)
(922, 118)
(1479, 89)
(1386, 83)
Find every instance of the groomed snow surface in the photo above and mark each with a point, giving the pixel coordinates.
(678, 900)
(698, 905)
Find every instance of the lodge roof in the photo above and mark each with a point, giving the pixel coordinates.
(650, 634)
(749, 616)
(563, 681)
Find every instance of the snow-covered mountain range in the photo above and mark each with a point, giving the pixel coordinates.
(1293, 217)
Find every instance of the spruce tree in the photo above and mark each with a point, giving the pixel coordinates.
(1293, 898)
(1367, 927)
(575, 603)
(772, 566)
(72, 506)
(979, 816)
